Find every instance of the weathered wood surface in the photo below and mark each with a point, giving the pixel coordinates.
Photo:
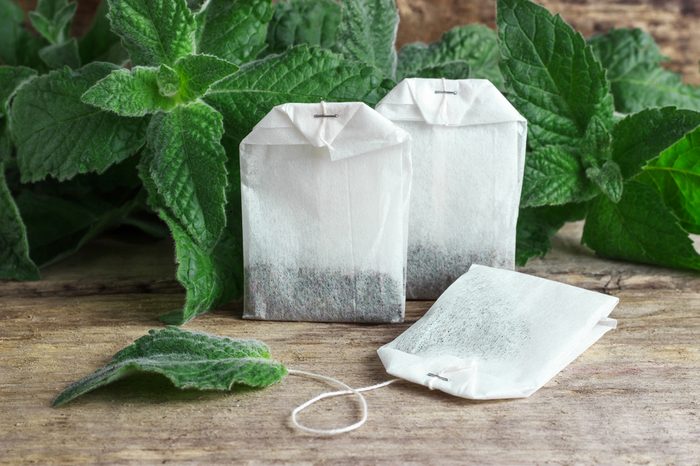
(632, 398)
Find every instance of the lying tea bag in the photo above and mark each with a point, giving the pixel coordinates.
(325, 191)
(468, 156)
(498, 334)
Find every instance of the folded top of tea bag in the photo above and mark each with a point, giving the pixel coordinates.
(345, 129)
(464, 102)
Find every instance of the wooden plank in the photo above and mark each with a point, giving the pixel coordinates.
(631, 398)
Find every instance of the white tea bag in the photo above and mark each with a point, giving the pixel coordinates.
(468, 156)
(325, 191)
(498, 334)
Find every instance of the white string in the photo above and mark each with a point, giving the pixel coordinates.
(348, 391)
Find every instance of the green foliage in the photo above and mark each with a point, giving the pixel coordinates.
(635, 69)
(234, 30)
(52, 19)
(367, 33)
(536, 226)
(190, 360)
(58, 135)
(59, 55)
(462, 52)
(311, 22)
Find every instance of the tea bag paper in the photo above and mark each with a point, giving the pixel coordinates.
(325, 191)
(498, 334)
(468, 158)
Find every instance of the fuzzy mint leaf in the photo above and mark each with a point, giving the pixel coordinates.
(555, 79)
(234, 30)
(199, 72)
(11, 77)
(312, 22)
(635, 69)
(608, 179)
(640, 228)
(58, 135)
(210, 278)
(52, 19)
(643, 136)
(154, 31)
(189, 169)
(59, 55)
(15, 263)
(537, 226)
(367, 33)
(18, 47)
(475, 45)
(190, 360)
(676, 173)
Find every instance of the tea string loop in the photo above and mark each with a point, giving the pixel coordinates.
(348, 391)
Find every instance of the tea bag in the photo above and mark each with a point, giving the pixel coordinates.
(325, 191)
(468, 157)
(498, 334)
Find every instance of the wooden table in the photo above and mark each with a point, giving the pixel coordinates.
(632, 398)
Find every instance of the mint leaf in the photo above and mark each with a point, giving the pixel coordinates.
(554, 176)
(190, 360)
(608, 179)
(475, 45)
(313, 22)
(367, 33)
(17, 45)
(60, 55)
(302, 74)
(555, 79)
(640, 228)
(188, 169)
(233, 30)
(52, 19)
(643, 136)
(129, 93)
(676, 172)
(15, 263)
(11, 77)
(58, 135)
(199, 72)
(153, 31)
(210, 278)
(100, 43)
(638, 79)
(536, 227)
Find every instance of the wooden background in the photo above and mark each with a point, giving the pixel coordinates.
(674, 23)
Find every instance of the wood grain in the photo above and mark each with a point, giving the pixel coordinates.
(632, 398)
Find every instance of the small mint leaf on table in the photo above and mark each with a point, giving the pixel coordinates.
(210, 278)
(635, 69)
(234, 30)
(154, 31)
(312, 22)
(475, 45)
(643, 136)
(367, 33)
(58, 135)
(639, 228)
(130, 93)
(15, 263)
(190, 360)
(536, 226)
(188, 168)
(676, 173)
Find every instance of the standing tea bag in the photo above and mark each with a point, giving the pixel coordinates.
(498, 334)
(468, 158)
(325, 191)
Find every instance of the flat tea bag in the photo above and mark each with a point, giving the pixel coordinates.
(498, 334)
(468, 157)
(325, 191)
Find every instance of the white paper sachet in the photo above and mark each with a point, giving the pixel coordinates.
(468, 158)
(499, 334)
(325, 191)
